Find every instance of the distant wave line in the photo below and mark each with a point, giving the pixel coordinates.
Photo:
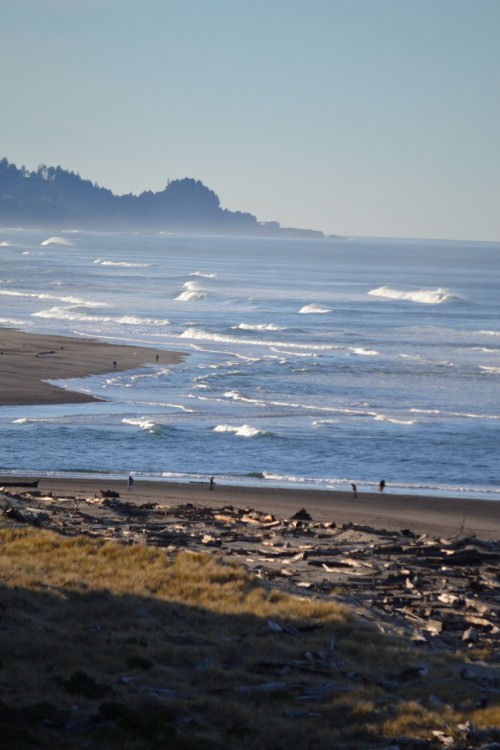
(122, 264)
(53, 298)
(63, 313)
(198, 333)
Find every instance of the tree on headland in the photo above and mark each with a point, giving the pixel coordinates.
(54, 195)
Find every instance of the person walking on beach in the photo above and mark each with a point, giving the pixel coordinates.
(354, 490)
(211, 484)
(130, 482)
(381, 485)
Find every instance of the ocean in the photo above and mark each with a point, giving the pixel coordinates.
(308, 363)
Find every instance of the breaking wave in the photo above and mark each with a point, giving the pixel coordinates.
(364, 352)
(201, 334)
(393, 420)
(65, 313)
(56, 241)
(244, 430)
(55, 298)
(422, 296)
(142, 422)
(257, 327)
(192, 291)
(313, 310)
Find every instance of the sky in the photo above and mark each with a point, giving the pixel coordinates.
(352, 117)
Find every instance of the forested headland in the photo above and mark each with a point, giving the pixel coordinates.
(53, 196)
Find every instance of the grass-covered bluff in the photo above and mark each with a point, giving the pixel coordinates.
(110, 646)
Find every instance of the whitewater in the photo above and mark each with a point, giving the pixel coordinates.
(308, 363)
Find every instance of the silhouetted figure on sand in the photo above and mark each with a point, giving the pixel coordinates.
(211, 483)
(381, 485)
(354, 490)
(130, 483)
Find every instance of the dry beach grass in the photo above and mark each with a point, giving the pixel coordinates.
(106, 645)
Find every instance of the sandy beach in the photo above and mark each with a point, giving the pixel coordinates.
(26, 360)
(445, 517)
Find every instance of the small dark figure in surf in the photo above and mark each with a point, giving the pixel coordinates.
(130, 483)
(157, 357)
(114, 364)
(354, 490)
(211, 483)
(381, 485)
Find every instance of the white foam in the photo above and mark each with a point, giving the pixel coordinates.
(192, 292)
(422, 296)
(489, 370)
(12, 322)
(122, 264)
(200, 333)
(244, 430)
(56, 241)
(5, 244)
(393, 420)
(142, 422)
(54, 297)
(313, 310)
(364, 352)
(257, 327)
(203, 275)
(68, 313)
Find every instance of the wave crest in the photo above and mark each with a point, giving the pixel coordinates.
(123, 264)
(56, 241)
(313, 310)
(257, 327)
(422, 296)
(143, 423)
(244, 430)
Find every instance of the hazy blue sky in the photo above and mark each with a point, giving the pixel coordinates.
(359, 117)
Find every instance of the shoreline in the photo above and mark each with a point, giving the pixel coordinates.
(435, 516)
(29, 359)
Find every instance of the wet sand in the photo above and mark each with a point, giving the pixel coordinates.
(435, 516)
(27, 359)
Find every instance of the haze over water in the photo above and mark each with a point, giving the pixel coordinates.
(308, 363)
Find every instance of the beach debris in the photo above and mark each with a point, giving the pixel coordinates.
(19, 483)
(301, 515)
(13, 514)
(440, 593)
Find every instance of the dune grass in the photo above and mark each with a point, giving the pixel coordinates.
(110, 646)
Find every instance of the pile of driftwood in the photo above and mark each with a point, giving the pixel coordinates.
(441, 593)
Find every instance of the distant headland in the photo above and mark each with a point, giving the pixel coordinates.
(53, 196)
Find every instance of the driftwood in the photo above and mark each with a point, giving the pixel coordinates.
(441, 593)
(20, 484)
